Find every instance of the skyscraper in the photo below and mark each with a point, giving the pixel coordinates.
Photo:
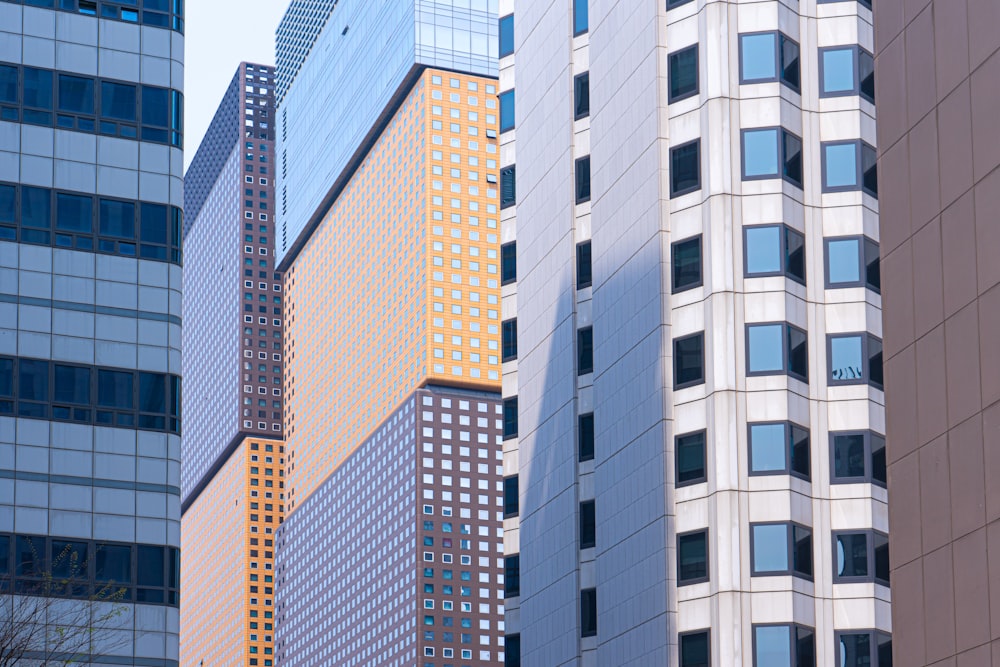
(693, 406)
(388, 223)
(91, 141)
(233, 462)
(938, 68)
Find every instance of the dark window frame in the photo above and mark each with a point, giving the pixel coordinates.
(707, 633)
(780, 67)
(704, 532)
(791, 546)
(875, 643)
(584, 258)
(858, 54)
(868, 256)
(584, 351)
(794, 638)
(511, 584)
(581, 95)
(679, 192)
(671, 97)
(700, 335)
(508, 345)
(864, 153)
(501, 52)
(588, 525)
(582, 445)
(510, 418)
(511, 505)
(701, 479)
(869, 477)
(870, 554)
(583, 185)
(674, 288)
(782, 251)
(588, 598)
(782, 138)
(786, 351)
(868, 341)
(789, 432)
(508, 255)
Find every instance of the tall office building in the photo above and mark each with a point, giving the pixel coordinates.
(233, 454)
(389, 242)
(91, 108)
(938, 68)
(694, 421)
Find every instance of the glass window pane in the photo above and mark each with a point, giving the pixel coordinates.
(117, 219)
(153, 228)
(8, 84)
(770, 548)
(873, 270)
(773, 646)
(583, 180)
(855, 650)
(152, 393)
(6, 377)
(881, 550)
(795, 255)
(115, 389)
(584, 266)
(581, 95)
(800, 451)
(866, 74)
(792, 158)
(36, 207)
(798, 354)
(113, 564)
(757, 56)
(37, 88)
(506, 35)
(4, 559)
(878, 459)
(151, 565)
(846, 359)
(805, 647)
(8, 194)
(69, 560)
(765, 351)
(507, 110)
(694, 651)
(685, 168)
(586, 445)
(29, 554)
(760, 153)
(763, 248)
(767, 447)
(508, 263)
(510, 499)
(852, 555)
(155, 106)
(689, 360)
(838, 71)
(687, 263)
(842, 261)
(802, 544)
(841, 165)
(118, 101)
(581, 19)
(76, 94)
(692, 557)
(74, 213)
(72, 385)
(585, 351)
(875, 362)
(33, 380)
(690, 458)
(683, 73)
(849, 455)
(789, 62)
(869, 170)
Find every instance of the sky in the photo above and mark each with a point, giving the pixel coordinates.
(219, 35)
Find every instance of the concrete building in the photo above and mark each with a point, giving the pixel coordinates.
(693, 406)
(938, 69)
(388, 218)
(91, 196)
(233, 454)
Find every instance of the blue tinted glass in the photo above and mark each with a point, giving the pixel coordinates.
(7, 193)
(76, 94)
(770, 549)
(773, 646)
(758, 53)
(760, 152)
(118, 101)
(506, 35)
(36, 207)
(581, 20)
(841, 165)
(507, 111)
(846, 360)
(152, 393)
(154, 223)
(155, 106)
(767, 447)
(114, 389)
(33, 380)
(72, 385)
(8, 84)
(765, 348)
(838, 71)
(763, 249)
(843, 257)
(74, 213)
(37, 88)
(117, 218)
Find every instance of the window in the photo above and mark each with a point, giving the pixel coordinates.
(117, 218)
(689, 453)
(854, 359)
(783, 646)
(583, 180)
(863, 3)
(685, 257)
(848, 166)
(8, 84)
(581, 19)
(857, 457)
(72, 385)
(866, 648)
(588, 612)
(780, 448)
(764, 156)
(74, 213)
(676, 3)
(689, 360)
(683, 71)
(846, 70)
(774, 250)
(508, 187)
(584, 270)
(769, 56)
(512, 576)
(510, 418)
(585, 351)
(852, 261)
(510, 499)
(581, 96)
(780, 549)
(512, 651)
(506, 110)
(506, 35)
(685, 168)
(119, 101)
(508, 263)
(509, 336)
(76, 94)
(695, 649)
(588, 525)
(692, 557)
(37, 88)
(860, 556)
(777, 349)
(585, 435)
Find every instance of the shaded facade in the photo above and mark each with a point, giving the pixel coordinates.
(938, 67)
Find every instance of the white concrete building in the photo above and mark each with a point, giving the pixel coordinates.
(693, 394)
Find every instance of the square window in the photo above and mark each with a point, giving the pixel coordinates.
(783, 645)
(583, 180)
(692, 558)
(864, 649)
(686, 263)
(779, 448)
(685, 168)
(584, 270)
(585, 351)
(854, 359)
(852, 261)
(760, 153)
(857, 457)
(774, 250)
(689, 360)
(683, 72)
(695, 649)
(581, 96)
(860, 556)
(780, 549)
(585, 445)
(769, 56)
(689, 453)
(775, 349)
(848, 166)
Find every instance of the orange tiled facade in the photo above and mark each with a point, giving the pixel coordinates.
(227, 614)
(399, 286)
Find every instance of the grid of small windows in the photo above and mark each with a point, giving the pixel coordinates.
(156, 13)
(264, 511)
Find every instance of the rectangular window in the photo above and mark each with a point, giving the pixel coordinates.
(695, 649)
(849, 166)
(764, 156)
(581, 96)
(769, 56)
(37, 88)
(509, 339)
(779, 448)
(585, 445)
(780, 549)
(506, 34)
(671, 4)
(508, 187)
(119, 101)
(685, 258)
(584, 270)
(506, 110)
(846, 70)
(74, 213)
(117, 219)
(854, 359)
(783, 646)
(689, 360)
(777, 349)
(583, 180)
(510, 418)
(512, 651)
(585, 351)
(581, 18)
(685, 168)
(508, 263)
(689, 453)
(860, 556)
(857, 457)
(76, 94)
(852, 261)
(588, 612)
(72, 385)
(512, 576)
(692, 557)
(510, 496)
(774, 250)
(588, 525)
(8, 84)
(683, 72)
(864, 648)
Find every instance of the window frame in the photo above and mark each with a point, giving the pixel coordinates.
(588, 594)
(779, 65)
(869, 458)
(588, 526)
(793, 637)
(682, 339)
(790, 545)
(508, 251)
(865, 246)
(708, 558)
(511, 508)
(691, 188)
(873, 638)
(500, 42)
(507, 561)
(856, 54)
(782, 251)
(583, 350)
(785, 350)
(580, 456)
(505, 343)
(671, 98)
(581, 92)
(577, 30)
(789, 428)
(781, 145)
(508, 172)
(580, 167)
(674, 288)
(867, 339)
(862, 149)
(678, 483)
(707, 633)
(872, 576)
(501, 97)
(581, 283)
(510, 403)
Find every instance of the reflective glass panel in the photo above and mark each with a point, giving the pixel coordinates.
(772, 646)
(118, 101)
(852, 555)
(765, 348)
(841, 165)
(758, 57)
(846, 359)
(76, 94)
(760, 153)
(838, 71)
(763, 248)
(767, 447)
(842, 261)
(770, 548)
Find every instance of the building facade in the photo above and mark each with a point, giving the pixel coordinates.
(693, 407)
(91, 197)
(233, 454)
(938, 68)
